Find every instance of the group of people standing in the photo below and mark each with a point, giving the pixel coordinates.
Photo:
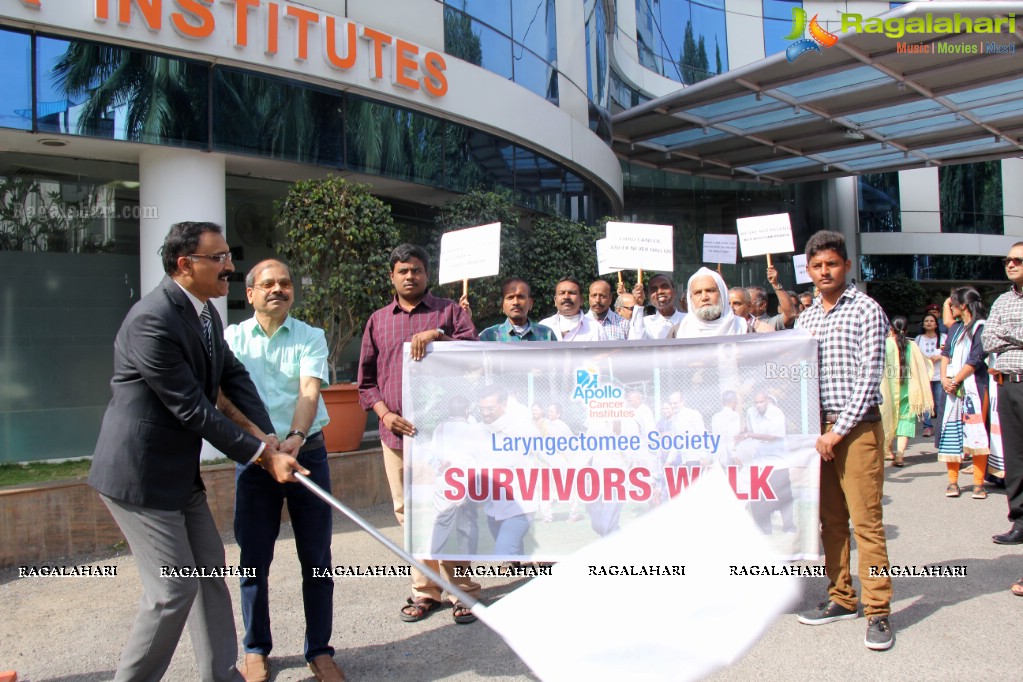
(175, 365)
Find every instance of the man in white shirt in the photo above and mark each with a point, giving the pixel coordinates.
(569, 323)
(710, 313)
(661, 291)
(766, 424)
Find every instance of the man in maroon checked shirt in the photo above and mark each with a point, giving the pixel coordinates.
(419, 317)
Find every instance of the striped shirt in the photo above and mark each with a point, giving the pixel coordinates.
(1003, 333)
(386, 332)
(851, 338)
(616, 327)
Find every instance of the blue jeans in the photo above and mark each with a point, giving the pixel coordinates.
(939, 410)
(257, 522)
(509, 533)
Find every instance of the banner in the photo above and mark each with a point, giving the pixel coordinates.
(530, 451)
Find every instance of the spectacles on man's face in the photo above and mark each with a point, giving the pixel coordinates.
(269, 284)
(1013, 261)
(218, 257)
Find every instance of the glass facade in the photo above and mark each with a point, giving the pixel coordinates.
(684, 40)
(95, 90)
(70, 248)
(698, 206)
(778, 24)
(878, 197)
(956, 270)
(598, 69)
(971, 198)
(515, 39)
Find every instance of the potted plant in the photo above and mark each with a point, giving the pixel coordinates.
(337, 238)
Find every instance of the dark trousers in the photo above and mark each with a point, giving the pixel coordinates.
(1010, 416)
(257, 522)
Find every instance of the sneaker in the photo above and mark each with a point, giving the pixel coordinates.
(952, 490)
(879, 633)
(979, 492)
(827, 612)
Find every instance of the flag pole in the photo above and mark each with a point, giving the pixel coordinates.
(471, 602)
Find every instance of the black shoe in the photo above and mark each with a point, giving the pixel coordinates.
(1013, 537)
(879, 633)
(826, 612)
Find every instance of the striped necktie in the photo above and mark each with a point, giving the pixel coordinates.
(207, 325)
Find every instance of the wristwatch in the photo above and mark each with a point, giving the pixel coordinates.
(440, 330)
(298, 433)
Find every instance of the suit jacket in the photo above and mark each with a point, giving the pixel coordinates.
(165, 387)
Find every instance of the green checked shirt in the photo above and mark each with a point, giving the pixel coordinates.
(504, 332)
(278, 363)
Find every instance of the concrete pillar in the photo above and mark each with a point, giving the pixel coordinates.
(845, 218)
(177, 185)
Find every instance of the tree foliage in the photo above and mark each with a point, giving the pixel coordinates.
(337, 239)
(557, 247)
(898, 295)
(479, 207)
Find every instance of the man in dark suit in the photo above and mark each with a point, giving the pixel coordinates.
(170, 361)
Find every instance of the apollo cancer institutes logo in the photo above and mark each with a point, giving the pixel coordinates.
(901, 27)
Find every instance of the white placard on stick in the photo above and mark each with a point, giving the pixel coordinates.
(719, 248)
(470, 253)
(765, 234)
(602, 267)
(640, 246)
(799, 265)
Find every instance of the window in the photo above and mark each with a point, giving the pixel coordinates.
(971, 198)
(778, 24)
(16, 79)
(684, 40)
(879, 202)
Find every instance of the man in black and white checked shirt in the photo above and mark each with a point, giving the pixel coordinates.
(1003, 334)
(850, 328)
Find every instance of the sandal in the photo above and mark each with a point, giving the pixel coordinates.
(462, 614)
(900, 460)
(417, 609)
(952, 490)
(1017, 588)
(979, 492)
(888, 457)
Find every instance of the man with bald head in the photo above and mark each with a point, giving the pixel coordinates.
(615, 326)
(287, 360)
(742, 305)
(709, 311)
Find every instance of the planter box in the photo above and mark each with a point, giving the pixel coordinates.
(44, 522)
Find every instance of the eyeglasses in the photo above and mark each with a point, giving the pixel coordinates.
(219, 257)
(1013, 261)
(268, 285)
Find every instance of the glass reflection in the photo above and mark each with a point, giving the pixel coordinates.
(109, 91)
(684, 40)
(16, 79)
(277, 119)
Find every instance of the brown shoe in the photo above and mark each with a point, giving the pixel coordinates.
(325, 669)
(256, 668)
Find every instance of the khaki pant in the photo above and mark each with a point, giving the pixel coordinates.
(851, 489)
(422, 585)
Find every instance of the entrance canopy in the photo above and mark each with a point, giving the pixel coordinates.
(868, 104)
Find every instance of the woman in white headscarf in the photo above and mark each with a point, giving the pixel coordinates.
(708, 315)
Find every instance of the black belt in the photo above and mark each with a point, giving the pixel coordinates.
(312, 442)
(1006, 378)
(873, 414)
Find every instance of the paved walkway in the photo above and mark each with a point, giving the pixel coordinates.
(72, 629)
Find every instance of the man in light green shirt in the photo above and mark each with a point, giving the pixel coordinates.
(287, 360)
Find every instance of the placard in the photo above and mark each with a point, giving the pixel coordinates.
(719, 248)
(799, 265)
(764, 234)
(602, 265)
(470, 253)
(640, 246)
